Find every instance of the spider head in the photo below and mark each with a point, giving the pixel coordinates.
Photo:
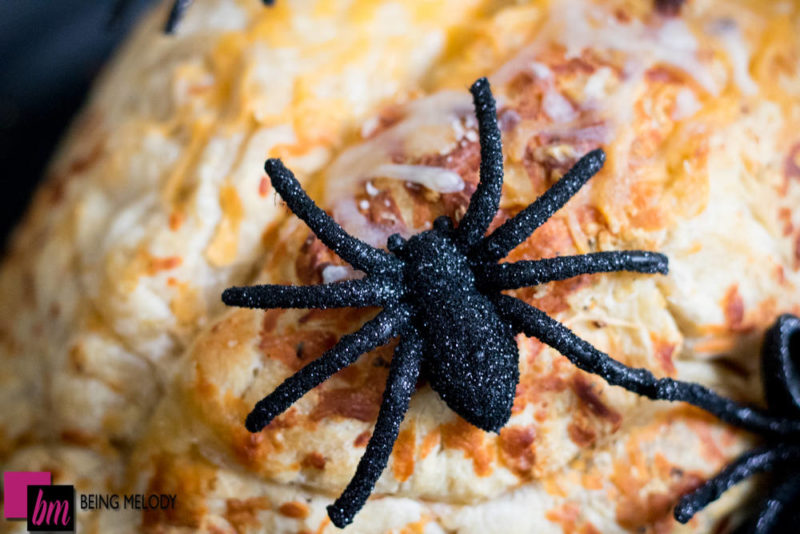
(443, 225)
(396, 244)
(434, 263)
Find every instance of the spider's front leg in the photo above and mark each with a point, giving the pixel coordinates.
(486, 198)
(535, 323)
(374, 333)
(376, 291)
(399, 388)
(354, 251)
(517, 229)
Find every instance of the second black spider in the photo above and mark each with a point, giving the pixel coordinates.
(176, 12)
(441, 295)
(178, 9)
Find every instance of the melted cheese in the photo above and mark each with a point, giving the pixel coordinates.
(434, 178)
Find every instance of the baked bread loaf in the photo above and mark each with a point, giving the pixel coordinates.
(122, 371)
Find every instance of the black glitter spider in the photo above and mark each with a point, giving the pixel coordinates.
(440, 291)
(780, 425)
(179, 7)
(177, 11)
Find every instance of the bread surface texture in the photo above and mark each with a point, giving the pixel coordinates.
(121, 371)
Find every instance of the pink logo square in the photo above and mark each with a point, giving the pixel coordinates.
(15, 490)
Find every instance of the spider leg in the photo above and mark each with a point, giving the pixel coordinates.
(179, 7)
(777, 506)
(517, 229)
(500, 276)
(354, 251)
(486, 198)
(748, 464)
(348, 293)
(535, 323)
(400, 386)
(374, 333)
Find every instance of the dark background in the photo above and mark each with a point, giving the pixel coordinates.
(50, 51)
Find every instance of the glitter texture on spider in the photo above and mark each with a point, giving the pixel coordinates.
(441, 295)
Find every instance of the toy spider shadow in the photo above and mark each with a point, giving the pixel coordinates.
(441, 294)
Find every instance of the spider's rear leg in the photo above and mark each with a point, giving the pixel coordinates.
(486, 198)
(517, 229)
(374, 333)
(354, 251)
(534, 272)
(348, 293)
(535, 323)
(748, 464)
(399, 388)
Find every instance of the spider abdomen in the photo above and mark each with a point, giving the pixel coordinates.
(470, 355)
(471, 359)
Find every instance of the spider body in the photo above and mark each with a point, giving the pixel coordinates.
(470, 356)
(440, 291)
